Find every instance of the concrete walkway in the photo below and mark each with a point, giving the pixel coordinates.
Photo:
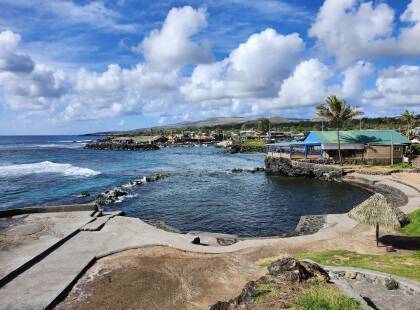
(410, 189)
(34, 235)
(43, 282)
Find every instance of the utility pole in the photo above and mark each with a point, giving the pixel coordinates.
(392, 151)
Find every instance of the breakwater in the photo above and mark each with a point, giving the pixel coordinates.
(295, 168)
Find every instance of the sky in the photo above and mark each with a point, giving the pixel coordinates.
(71, 67)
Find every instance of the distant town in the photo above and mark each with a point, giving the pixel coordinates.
(272, 134)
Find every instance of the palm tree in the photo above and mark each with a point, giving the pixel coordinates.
(409, 119)
(337, 112)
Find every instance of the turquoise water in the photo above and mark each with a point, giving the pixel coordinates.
(200, 195)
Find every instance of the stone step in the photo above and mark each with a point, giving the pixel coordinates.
(30, 251)
(42, 285)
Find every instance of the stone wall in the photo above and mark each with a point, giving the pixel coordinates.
(300, 168)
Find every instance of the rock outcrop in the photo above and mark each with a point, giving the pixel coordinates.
(284, 279)
(238, 148)
(301, 168)
(240, 170)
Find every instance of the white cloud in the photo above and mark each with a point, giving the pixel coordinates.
(312, 81)
(9, 60)
(254, 69)
(172, 46)
(410, 36)
(355, 78)
(351, 30)
(143, 88)
(306, 86)
(396, 87)
(116, 91)
(25, 85)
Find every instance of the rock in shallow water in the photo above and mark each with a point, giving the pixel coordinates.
(111, 196)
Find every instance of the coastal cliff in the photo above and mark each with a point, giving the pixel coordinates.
(295, 168)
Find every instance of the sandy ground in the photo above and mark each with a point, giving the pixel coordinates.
(167, 278)
(410, 177)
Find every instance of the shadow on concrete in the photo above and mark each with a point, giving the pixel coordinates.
(401, 242)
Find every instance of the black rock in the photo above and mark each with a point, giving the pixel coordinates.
(196, 240)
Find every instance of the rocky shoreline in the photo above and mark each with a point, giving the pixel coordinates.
(295, 168)
(238, 148)
(113, 146)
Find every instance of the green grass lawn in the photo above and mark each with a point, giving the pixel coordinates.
(412, 229)
(407, 266)
(254, 143)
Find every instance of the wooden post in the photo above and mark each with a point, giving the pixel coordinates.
(377, 234)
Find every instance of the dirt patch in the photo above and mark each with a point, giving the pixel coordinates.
(161, 278)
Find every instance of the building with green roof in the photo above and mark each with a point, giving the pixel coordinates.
(357, 146)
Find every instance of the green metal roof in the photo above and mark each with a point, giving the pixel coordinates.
(375, 137)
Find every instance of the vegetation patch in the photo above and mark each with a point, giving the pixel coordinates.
(402, 166)
(407, 266)
(391, 284)
(412, 229)
(326, 297)
(253, 143)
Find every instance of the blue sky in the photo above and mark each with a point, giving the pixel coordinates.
(80, 66)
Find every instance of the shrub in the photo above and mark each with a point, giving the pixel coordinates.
(391, 284)
(402, 166)
(413, 228)
(416, 148)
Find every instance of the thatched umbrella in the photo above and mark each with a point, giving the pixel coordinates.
(376, 210)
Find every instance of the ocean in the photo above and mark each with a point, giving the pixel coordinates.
(201, 193)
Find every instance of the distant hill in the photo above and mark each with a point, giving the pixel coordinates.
(213, 122)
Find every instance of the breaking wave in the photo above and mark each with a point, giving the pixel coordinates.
(45, 167)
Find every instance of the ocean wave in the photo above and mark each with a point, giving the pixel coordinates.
(41, 146)
(74, 141)
(45, 167)
(56, 145)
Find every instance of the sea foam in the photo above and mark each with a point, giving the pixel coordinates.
(45, 167)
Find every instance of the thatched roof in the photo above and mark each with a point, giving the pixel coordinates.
(377, 210)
